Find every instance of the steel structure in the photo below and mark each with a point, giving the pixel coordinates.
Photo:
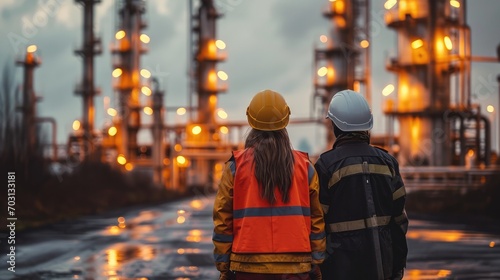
(28, 109)
(127, 71)
(438, 124)
(203, 140)
(91, 47)
(342, 61)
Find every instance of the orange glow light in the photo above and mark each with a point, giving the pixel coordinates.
(31, 48)
(356, 86)
(447, 42)
(323, 38)
(117, 72)
(403, 91)
(181, 219)
(442, 235)
(490, 109)
(218, 167)
(146, 90)
(220, 44)
(196, 204)
(415, 130)
(417, 44)
(129, 166)
(222, 75)
(364, 44)
(178, 147)
(145, 73)
(196, 130)
(211, 80)
(224, 130)
(222, 114)
(211, 49)
(145, 38)
(212, 99)
(338, 6)
(388, 90)
(340, 22)
(330, 75)
(148, 111)
(322, 71)
(389, 4)
(121, 159)
(455, 3)
(112, 131)
(470, 153)
(181, 111)
(120, 35)
(181, 160)
(76, 125)
(114, 230)
(112, 112)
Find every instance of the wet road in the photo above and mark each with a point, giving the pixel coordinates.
(173, 241)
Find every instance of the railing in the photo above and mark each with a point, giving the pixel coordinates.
(437, 178)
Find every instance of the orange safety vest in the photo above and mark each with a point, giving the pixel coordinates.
(260, 227)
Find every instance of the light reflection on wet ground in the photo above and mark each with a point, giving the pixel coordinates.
(173, 241)
(448, 251)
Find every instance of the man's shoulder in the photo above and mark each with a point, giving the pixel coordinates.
(384, 153)
(380, 148)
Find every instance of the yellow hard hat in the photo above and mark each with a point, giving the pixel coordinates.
(268, 111)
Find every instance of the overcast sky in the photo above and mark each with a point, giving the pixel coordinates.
(269, 45)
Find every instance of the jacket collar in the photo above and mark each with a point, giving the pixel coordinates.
(352, 137)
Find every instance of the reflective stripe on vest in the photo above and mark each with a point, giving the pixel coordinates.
(271, 211)
(261, 227)
(360, 224)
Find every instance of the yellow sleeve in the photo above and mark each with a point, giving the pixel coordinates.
(223, 218)
(318, 237)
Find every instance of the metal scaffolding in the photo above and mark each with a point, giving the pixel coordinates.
(438, 124)
(342, 61)
(127, 71)
(28, 109)
(91, 47)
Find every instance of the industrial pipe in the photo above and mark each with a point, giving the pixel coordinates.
(53, 122)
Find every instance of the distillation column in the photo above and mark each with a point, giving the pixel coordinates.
(432, 63)
(343, 60)
(203, 133)
(28, 109)
(91, 47)
(128, 50)
(158, 148)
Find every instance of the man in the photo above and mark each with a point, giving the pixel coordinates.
(363, 198)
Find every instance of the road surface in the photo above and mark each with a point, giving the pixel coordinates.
(173, 241)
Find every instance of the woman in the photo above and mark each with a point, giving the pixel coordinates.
(268, 223)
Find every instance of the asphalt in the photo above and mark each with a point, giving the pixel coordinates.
(173, 241)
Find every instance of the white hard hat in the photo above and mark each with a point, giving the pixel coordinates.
(349, 111)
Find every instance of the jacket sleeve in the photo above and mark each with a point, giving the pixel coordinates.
(223, 218)
(399, 223)
(324, 196)
(317, 237)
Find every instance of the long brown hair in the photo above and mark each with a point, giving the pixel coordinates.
(273, 162)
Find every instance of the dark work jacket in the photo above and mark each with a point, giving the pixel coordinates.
(363, 198)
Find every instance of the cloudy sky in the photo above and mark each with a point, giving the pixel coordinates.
(269, 45)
